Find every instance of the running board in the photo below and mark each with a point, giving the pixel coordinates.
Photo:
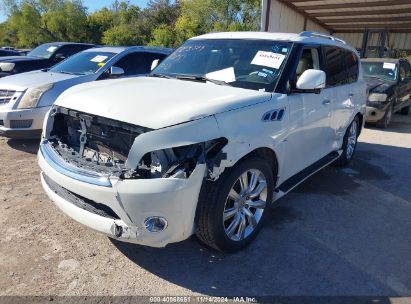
(301, 176)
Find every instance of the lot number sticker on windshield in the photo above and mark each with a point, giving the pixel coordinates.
(268, 59)
(99, 58)
(52, 49)
(389, 66)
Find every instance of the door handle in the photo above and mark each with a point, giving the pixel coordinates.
(351, 95)
(326, 102)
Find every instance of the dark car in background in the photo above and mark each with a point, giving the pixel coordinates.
(43, 56)
(5, 53)
(389, 85)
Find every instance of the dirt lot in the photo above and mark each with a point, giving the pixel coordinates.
(342, 232)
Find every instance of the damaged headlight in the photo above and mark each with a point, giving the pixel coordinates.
(179, 162)
(32, 96)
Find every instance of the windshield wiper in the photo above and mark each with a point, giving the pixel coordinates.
(160, 75)
(203, 78)
(70, 73)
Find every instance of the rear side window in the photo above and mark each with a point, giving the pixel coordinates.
(351, 64)
(334, 68)
(138, 63)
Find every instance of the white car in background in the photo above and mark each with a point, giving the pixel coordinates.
(222, 128)
(26, 98)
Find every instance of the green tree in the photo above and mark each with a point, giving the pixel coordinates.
(164, 35)
(99, 22)
(120, 35)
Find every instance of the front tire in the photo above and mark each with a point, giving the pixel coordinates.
(386, 120)
(349, 143)
(231, 209)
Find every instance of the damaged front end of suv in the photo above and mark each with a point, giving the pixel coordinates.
(128, 181)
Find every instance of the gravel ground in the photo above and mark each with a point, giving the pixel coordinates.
(341, 233)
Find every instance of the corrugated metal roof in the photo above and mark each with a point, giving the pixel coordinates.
(354, 16)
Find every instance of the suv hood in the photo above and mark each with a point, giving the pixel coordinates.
(23, 81)
(376, 85)
(16, 59)
(156, 102)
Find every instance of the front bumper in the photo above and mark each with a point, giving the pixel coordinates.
(132, 201)
(12, 122)
(374, 114)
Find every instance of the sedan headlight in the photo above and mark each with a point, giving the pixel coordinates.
(7, 66)
(32, 96)
(377, 97)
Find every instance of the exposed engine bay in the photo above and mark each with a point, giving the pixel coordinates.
(102, 145)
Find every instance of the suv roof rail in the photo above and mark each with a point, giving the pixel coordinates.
(321, 35)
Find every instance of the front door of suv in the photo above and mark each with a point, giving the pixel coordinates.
(310, 137)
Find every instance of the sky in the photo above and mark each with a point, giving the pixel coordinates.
(94, 5)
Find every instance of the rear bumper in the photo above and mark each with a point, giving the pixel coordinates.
(133, 201)
(9, 117)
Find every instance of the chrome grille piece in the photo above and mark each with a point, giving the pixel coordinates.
(5, 96)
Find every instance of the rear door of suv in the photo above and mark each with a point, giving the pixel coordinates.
(342, 70)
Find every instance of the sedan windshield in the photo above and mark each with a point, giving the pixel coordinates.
(84, 63)
(43, 51)
(382, 70)
(248, 64)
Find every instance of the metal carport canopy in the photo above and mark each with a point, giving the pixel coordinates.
(354, 16)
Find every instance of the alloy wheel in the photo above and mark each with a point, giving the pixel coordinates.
(352, 140)
(245, 205)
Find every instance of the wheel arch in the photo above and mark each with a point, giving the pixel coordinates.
(362, 121)
(267, 154)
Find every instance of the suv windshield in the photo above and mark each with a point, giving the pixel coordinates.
(83, 63)
(43, 51)
(382, 70)
(248, 64)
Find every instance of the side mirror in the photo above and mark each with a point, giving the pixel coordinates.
(116, 72)
(311, 80)
(155, 64)
(59, 57)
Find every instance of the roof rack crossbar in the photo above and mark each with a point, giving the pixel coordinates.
(321, 35)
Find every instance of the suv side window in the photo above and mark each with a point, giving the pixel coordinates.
(309, 60)
(351, 64)
(334, 68)
(138, 63)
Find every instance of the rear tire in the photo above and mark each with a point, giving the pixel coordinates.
(386, 120)
(349, 143)
(231, 210)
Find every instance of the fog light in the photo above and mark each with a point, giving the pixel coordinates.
(155, 224)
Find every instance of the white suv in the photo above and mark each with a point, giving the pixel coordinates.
(221, 129)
